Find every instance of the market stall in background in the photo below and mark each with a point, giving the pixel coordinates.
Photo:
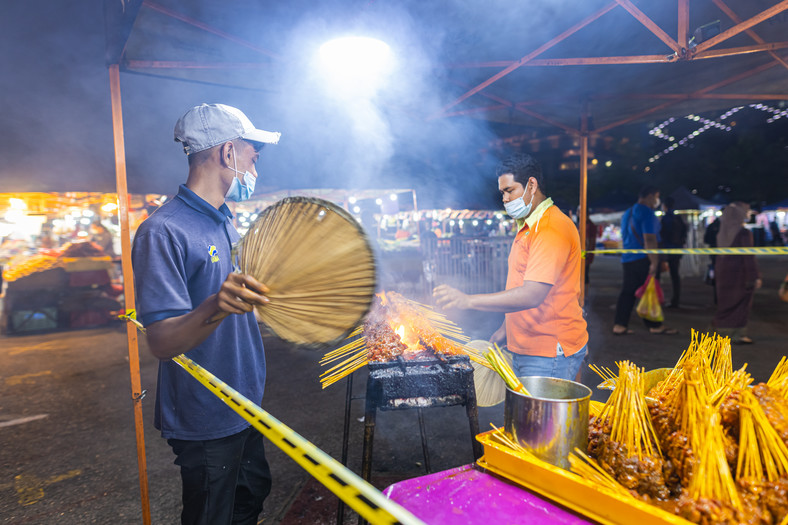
(59, 256)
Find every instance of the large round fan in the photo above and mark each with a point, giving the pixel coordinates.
(318, 264)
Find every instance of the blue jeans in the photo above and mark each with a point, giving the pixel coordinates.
(559, 366)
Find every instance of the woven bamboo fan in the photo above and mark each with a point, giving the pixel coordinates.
(318, 264)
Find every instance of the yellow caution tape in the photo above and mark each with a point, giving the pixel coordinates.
(756, 250)
(131, 317)
(362, 497)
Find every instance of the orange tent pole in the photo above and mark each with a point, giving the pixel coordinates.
(733, 16)
(533, 54)
(583, 212)
(743, 26)
(128, 285)
(683, 32)
(641, 17)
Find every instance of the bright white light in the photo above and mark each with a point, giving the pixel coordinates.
(84, 221)
(13, 215)
(393, 196)
(378, 201)
(475, 223)
(17, 204)
(356, 209)
(356, 66)
(609, 163)
(82, 233)
(109, 207)
(352, 200)
(88, 213)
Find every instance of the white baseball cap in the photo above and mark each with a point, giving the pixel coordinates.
(209, 125)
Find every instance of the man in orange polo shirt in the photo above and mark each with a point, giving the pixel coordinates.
(544, 327)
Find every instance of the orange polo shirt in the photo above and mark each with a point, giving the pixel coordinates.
(547, 250)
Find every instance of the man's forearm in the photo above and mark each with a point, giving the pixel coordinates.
(176, 335)
(523, 297)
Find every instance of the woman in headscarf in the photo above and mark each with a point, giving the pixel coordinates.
(737, 276)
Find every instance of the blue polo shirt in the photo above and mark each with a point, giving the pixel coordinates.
(641, 219)
(182, 255)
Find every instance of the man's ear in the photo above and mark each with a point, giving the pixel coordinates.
(534, 184)
(226, 153)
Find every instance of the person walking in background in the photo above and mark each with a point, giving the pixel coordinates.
(710, 239)
(673, 234)
(737, 276)
(100, 235)
(639, 230)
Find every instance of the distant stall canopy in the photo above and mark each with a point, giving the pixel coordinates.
(43, 203)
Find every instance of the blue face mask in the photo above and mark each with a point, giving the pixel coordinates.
(238, 192)
(518, 209)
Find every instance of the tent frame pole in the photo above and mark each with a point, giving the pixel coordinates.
(128, 285)
(583, 212)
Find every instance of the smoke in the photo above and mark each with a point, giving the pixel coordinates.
(58, 126)
(386, 139)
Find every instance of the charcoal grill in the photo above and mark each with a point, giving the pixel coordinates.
(413, 383)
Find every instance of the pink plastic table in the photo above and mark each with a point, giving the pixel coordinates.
(467, 495)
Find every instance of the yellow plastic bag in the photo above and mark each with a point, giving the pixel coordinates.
(650, 307)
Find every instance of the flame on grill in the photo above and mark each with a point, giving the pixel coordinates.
(409, 339)
(395, 323)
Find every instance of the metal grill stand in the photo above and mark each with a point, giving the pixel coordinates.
(419, 384)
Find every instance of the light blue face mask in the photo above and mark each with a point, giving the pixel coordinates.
(238, 192)
(518, 209)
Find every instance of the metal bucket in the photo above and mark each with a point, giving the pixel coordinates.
(552, 421)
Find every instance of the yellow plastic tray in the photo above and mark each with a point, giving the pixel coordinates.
(570, 490)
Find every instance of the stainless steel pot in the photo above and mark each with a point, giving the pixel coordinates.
(552, 421)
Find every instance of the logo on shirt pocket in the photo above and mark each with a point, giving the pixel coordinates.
(214, 253)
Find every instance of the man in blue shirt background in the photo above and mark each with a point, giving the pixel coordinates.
(639, 230)
(191, 301)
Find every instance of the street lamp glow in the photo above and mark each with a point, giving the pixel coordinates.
(355, 65)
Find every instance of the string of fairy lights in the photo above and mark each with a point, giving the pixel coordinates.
(706, 124)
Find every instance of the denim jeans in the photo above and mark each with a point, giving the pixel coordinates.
(559, 366)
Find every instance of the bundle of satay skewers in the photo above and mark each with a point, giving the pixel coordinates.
(397, 326)
(703, 444)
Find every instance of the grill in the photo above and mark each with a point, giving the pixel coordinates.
(411, 366)
(404, 384)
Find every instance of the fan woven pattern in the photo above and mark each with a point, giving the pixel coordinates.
(318, 264)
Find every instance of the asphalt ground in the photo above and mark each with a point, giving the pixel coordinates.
(67, 439)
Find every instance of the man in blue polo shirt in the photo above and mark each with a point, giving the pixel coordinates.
(184, 280)
(639, 230)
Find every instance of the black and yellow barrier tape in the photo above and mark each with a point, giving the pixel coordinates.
(362, 497)
(756, 250)
(131, 317)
